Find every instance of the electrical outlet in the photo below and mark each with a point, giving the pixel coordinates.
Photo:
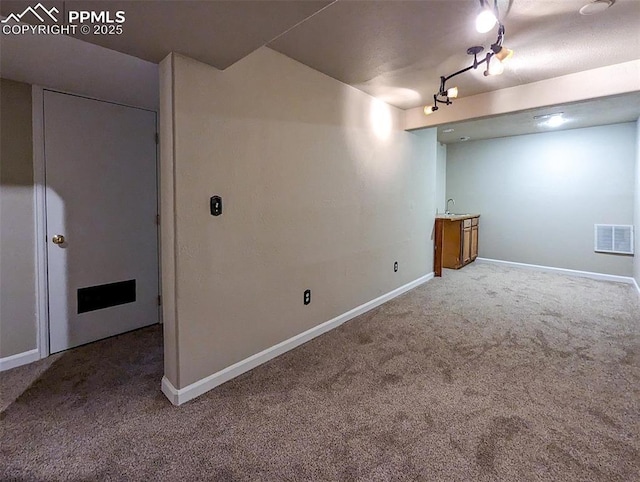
(395, 267)
(307, 297)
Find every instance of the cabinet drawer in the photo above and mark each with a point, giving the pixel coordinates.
(474, 221)
(466, 223)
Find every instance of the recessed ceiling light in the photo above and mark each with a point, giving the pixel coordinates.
(547, 116)
(555, 121)
(446, 131)
(465, 138)
(550, 120)
(596, 6)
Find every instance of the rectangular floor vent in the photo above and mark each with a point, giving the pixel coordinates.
(614, 238)
(104, 296)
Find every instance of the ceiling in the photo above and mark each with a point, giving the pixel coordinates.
(395, 50)
(595, 112)
(218, 33)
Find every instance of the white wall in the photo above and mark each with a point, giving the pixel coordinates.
(539, 195)
(322, 190)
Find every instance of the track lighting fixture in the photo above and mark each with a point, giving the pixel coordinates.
(498, 53)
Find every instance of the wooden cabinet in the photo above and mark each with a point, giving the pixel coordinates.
(466, 241)
(456, 241)
(474, 238)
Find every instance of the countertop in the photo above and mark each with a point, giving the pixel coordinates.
(456, 217)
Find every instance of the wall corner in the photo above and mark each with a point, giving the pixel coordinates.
(167, 220)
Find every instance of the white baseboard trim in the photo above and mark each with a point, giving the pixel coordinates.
(171, 392)
(636, 285)
(182, 395)
(568, 272)
(19, 359)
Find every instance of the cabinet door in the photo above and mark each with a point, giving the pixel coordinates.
(466, 245)
(474, 242)
(452, 244)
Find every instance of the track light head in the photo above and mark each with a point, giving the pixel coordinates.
(430, 109)
(501, 53)
(485, 20)
(495, 68)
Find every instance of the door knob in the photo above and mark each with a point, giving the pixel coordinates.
(58, 239)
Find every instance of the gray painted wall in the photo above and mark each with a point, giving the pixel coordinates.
(636, 211)
(539, 195)
(323, 190)
(441, 178)
(17, 238)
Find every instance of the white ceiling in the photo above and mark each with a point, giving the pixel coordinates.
(393, 49)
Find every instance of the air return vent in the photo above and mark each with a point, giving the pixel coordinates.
(613, 238)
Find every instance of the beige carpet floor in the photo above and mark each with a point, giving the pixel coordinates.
(487, 374)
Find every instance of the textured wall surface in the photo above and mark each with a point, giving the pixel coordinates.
(322, 190)
(17, 237)
(540, 195)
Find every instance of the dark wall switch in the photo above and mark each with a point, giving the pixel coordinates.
(307, 297)
(216, 205)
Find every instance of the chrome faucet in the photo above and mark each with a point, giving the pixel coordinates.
(448, 201)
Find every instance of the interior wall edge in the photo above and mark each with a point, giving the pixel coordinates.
(636, 210)
(168, 257)
(40, 222)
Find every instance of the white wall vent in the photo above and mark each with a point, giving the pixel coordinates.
(614, 238)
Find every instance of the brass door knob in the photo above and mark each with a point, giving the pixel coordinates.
(58, 239)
